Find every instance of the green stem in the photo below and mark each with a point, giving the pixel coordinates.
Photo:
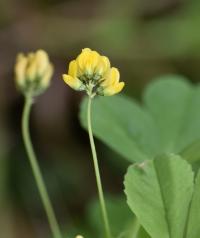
(97, 173)
(36, 170)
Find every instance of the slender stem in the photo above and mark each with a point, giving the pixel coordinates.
(36, 170)
(97, 173)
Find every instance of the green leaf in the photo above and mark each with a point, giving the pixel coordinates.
(191, 127)
(167, 101)
(167, 121)
(122, 124)
(192, 152)
(193, 228)
(142, 233)
(173, 102)
(159, 193)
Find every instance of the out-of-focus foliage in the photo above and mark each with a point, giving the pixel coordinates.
(120, 216)
(123, 223)
(168, 120)
(167, 28)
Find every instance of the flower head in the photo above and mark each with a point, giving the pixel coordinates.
(92, 72)
(33, 72)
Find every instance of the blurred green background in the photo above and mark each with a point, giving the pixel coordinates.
(144, 39)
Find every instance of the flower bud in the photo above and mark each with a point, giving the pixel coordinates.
(33, 72)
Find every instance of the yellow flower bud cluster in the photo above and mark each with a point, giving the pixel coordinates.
(93, 73)
(33, 72)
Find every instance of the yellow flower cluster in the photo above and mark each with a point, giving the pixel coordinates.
(93, 73)
(33, 72)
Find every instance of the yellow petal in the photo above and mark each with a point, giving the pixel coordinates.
(82, 58)
(86, 50)
(87, 61)
(20, 69)
(30, 56)
(113, 89)
(42, 61)
(47, 76)
(103, 66)
(31, 71)
(92, 62)
(111, 78)
(119, 87)
(73, 69)
(72, 82)
(106, 61)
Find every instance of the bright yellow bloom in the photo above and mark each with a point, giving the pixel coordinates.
(33, 72)
(92, 72)
(79, 236)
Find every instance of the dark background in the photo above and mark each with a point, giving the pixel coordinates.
(143, 38)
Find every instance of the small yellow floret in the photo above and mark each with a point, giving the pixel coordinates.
(113, 89)
(74, 83)
(111, 84)
(73, 69)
